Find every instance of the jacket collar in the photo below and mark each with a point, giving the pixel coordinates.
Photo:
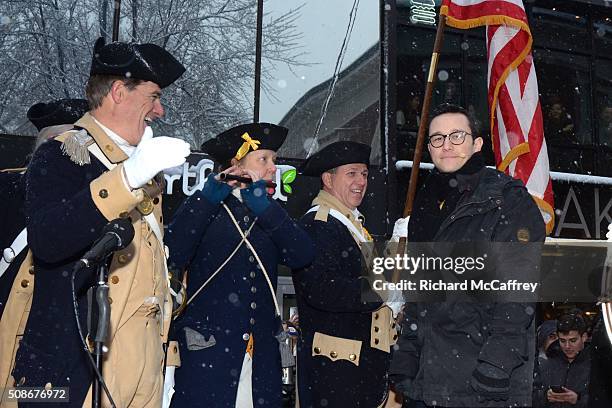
(486, 184)
(327, 200)
(113, 153)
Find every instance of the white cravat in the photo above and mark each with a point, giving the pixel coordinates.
(236, 193)
(127, 148)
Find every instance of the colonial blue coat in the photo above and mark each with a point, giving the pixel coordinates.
(236, 304)
(12, 222)
(329, 297)
(67, 207)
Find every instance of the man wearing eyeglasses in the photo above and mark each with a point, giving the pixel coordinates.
(462, 351)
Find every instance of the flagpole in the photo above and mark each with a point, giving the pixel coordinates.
(418, 151)
(116, 18)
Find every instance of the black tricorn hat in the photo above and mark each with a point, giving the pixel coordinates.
(59, 112)
(242, 139)
(334, 155)
(148, 62)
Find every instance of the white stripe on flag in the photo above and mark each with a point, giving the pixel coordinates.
(538, 179)
(498, 42)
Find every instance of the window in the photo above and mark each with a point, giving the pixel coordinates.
(319, 101)
(415, 45)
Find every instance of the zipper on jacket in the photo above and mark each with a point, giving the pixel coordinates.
(456, 214)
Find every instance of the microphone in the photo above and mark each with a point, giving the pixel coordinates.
(116, 235)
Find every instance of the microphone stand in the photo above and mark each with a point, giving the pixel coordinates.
(98, 321)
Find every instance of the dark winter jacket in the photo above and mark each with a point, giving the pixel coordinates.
(557, 370)
(600, 381)
(450, 349)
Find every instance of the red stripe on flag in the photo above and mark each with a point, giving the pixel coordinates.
(486, 9)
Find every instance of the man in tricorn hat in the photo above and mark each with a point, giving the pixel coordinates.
(344, 353)
(227, 333)
(103, 169)
(50, 119)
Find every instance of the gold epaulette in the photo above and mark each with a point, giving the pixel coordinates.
(75, 144)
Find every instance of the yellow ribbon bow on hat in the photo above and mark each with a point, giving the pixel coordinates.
(248, 144)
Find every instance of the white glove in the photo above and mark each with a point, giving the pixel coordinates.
(168, 386)
(395, 301)
(609, 234)
(148, 134)
(173, 171)
(153, 155)
(400, 229)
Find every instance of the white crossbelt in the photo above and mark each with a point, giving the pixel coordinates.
(10, 253)
(150, 219)
(347, 223)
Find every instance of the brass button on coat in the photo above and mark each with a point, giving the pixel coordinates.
(103, 193)
(31, 270)
(317, 350)
(375, 316)
(25, 283)
(352, 357)
(123, 258)
(115, 279)
(333, 354)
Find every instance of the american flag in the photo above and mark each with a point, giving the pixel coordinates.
(516, 123)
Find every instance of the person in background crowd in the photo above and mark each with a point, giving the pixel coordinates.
(547, 335)
(460, 352)
(231, 236)
(558, 124)
(16, 278)
(102, 170)
(605, 126)
(563, 379)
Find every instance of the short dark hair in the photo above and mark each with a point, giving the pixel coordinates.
(452, 108)
(572, 321)
(98, 86)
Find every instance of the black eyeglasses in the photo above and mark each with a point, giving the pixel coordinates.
(457, 138)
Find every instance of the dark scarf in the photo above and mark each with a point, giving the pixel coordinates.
(437, 199)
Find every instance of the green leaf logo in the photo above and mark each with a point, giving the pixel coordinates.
(288, 177)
